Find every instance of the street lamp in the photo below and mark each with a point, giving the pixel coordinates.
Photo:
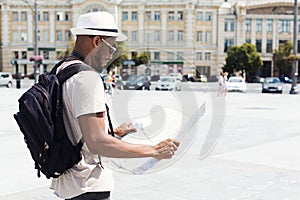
(35, 51)
(295, 62)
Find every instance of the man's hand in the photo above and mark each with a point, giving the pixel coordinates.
(166, 149)
(124, 128)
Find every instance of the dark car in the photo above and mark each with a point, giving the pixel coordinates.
(285, 79)
(138, 82)
(272, 84)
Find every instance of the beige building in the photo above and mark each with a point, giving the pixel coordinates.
(189, 36)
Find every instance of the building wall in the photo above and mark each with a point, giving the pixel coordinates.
(206, 17)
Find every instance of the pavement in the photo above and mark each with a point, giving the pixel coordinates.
(256, 156)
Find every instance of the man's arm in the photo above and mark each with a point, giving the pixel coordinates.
(98, 142)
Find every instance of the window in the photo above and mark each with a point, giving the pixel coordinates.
(171, 35)
(180, 15)
(285, 25)
(15, 35)
(59, 16)
(258, 25)
(24, 54)
(156, 36)
(199, 56)
(68, 16)
(156, 55)
(39, 35)
(59, 36)
(148, 16)
(39, 16)
(199, 36)
(227, 44)
(179, 55)
(207, 36)
(248, 25)
(45, 35)
(148, 36)
(199, 16)
(171, 16)
(258, 45)
(16, 54)
(125, 33)
(23, 36)
(15, 16)
(133, 36)
(156, 15)
(207, 56)
(170, 55)
(208, 16)
(59, 55)
(46, 16)
(269, 46)
(125, 16)
(23, 16)
(298, 25)
(248, 40)
(269, 25)
(67, 35)
(180, 36)
(46, 55)
(229, 25)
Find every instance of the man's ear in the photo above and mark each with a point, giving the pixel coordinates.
(96, 41)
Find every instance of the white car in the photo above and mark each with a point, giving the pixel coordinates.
(168, 83)
(176, 75)
(6, 79)
(236, 84)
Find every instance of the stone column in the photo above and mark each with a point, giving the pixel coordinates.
(30, 28)
(52, 26)
(164, 28)
(253, 31)
(215, 28)
(5, 25)
(264, 36)
(141, 28)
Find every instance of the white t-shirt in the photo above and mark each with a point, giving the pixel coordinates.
(83, 94)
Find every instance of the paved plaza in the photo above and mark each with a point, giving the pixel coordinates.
(256, 155)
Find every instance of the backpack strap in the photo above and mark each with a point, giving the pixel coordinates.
(71, 70)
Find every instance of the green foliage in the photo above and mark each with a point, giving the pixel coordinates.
(120, 55)
(281, 60)
(141, 58)
(243, 57)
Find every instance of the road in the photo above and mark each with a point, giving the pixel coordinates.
(245, 146)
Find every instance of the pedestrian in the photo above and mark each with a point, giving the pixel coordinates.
(85, 115)
(225, 78)
(221, 83)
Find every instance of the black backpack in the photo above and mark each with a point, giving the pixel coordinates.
(40, 119)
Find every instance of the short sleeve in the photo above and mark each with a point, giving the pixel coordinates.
(88, 97)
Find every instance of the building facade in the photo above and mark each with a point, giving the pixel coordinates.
(189, 37)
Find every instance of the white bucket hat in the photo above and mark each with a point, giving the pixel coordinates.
(98, 23)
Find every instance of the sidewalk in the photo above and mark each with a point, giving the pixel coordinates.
(257, 157)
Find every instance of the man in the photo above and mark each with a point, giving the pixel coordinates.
(85, 114)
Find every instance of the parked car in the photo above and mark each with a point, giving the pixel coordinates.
(188, 77)
(118, 81)
(138, 82)
(168, 83)
(285, 79)
(6, 79)
(272, 84)
(176, 75)
(201, 78)
(236, 83)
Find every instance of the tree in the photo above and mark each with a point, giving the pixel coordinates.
(118, 57)
(141, 58)
(281, 58)
(243, 58)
